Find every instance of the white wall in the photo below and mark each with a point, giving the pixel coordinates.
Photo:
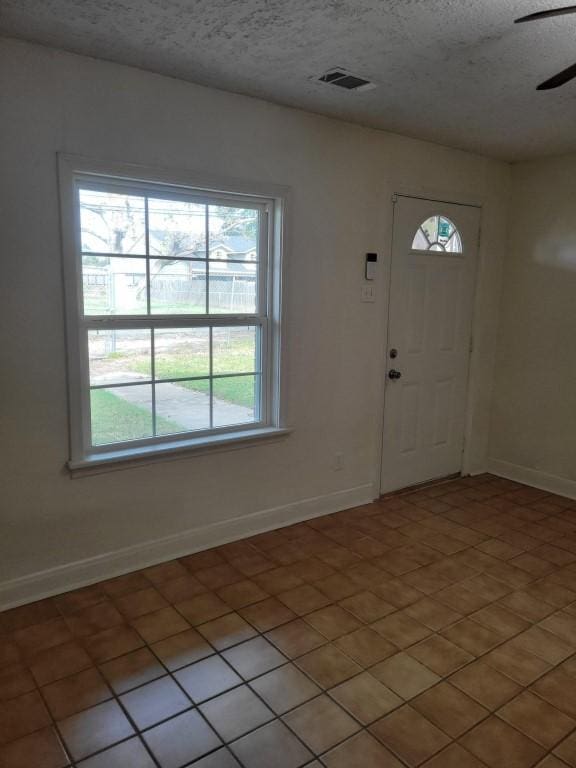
(342, 178)
(534, 419)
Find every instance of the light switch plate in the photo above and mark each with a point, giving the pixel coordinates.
(368, 293)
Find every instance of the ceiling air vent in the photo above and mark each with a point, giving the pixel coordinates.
(344, 79)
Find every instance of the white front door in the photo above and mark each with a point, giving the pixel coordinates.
(434, 254)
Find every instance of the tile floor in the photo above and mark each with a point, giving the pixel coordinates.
(434, 628)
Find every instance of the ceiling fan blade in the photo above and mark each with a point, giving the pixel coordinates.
(562, 77)
(547, 14)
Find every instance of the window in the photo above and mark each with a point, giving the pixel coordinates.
(174, 342)
(437, 234)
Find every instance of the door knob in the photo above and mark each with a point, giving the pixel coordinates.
(394, 374)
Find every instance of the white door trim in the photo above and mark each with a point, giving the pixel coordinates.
(445, 198)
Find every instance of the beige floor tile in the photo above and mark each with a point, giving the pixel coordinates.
(113, 642)
(338, 587)
(41, 749)
(39, 637)
(450, 709)
(333, 621)
(303, 599)
(95, 729)
(207, 678)
(160, 624)
(271, 745)
(155, 702)
(563, 625)
(182, 649)
(328, 666)
(558, 689)
(440, 655)
(566, 750)
(55, 663)
(472, 637)
(159, 574)
(285, 688)
(242, 593)
(501, 620)
(500, 746)
(295, 638)
(537, 719)
(139, 603)
(366, 698)
(268, 614)
(132, 670)
(366, 646)
(543, 644)
(97, 618)
(202, 608)
(404, 675)
(513, 661)
(432, 614)
(367, 607)
(401, 630)
(409, 735)
(128, 754)
(278, 580)
(526, 606)
(21, 716)
(360, 750)
(14, 681)
(181, 589)
(321, 723)
(254, 657)
(181, 740)
(235, 713)
(460, 599)
(226, 631)
(454, 756)
(487, 685)
(222, 758)
(397, 593)
(72, 694)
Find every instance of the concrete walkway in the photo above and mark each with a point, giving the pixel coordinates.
(185, 407)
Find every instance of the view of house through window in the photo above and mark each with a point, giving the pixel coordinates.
(174, 313)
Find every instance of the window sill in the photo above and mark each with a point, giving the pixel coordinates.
(128, 458)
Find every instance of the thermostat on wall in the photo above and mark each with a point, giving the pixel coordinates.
(371, 259)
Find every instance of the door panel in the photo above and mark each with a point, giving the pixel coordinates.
(431, 299)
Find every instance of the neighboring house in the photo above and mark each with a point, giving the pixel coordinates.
(122, 282)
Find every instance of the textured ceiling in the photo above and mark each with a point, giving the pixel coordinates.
(458, 72)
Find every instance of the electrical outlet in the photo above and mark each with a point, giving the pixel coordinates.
(338, 462)
(368, 293)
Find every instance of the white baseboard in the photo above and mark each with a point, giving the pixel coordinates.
(562, 486)
(81, 573)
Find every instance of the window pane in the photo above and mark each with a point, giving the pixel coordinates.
(232, 288)
(234, 349)
(177, 287)
(234, 400)
(119, 356)
(114, 286)
(182, 406)
(121, 413)
(176, 228)
(233, 233)
(181, 352)
(112, 223)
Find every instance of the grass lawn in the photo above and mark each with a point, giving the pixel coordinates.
(114, 419)
(236, 357)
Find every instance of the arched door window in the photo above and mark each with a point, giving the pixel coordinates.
(437, 234)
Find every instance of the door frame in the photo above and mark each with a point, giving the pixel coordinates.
(441, 197)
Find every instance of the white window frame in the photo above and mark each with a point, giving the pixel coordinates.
(271, 201)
